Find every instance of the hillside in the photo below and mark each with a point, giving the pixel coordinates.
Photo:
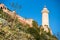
(12, 29)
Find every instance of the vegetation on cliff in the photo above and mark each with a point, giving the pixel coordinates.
(12, 29)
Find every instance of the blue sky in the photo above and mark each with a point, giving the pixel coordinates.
(32, 9)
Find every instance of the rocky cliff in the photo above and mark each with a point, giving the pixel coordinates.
(12, 29)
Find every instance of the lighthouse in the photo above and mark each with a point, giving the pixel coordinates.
(45, 18)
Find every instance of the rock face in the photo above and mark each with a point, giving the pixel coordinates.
(12, 29)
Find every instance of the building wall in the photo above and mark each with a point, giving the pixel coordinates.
(13, 15)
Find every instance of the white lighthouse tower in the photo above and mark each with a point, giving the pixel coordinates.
(45, 19)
